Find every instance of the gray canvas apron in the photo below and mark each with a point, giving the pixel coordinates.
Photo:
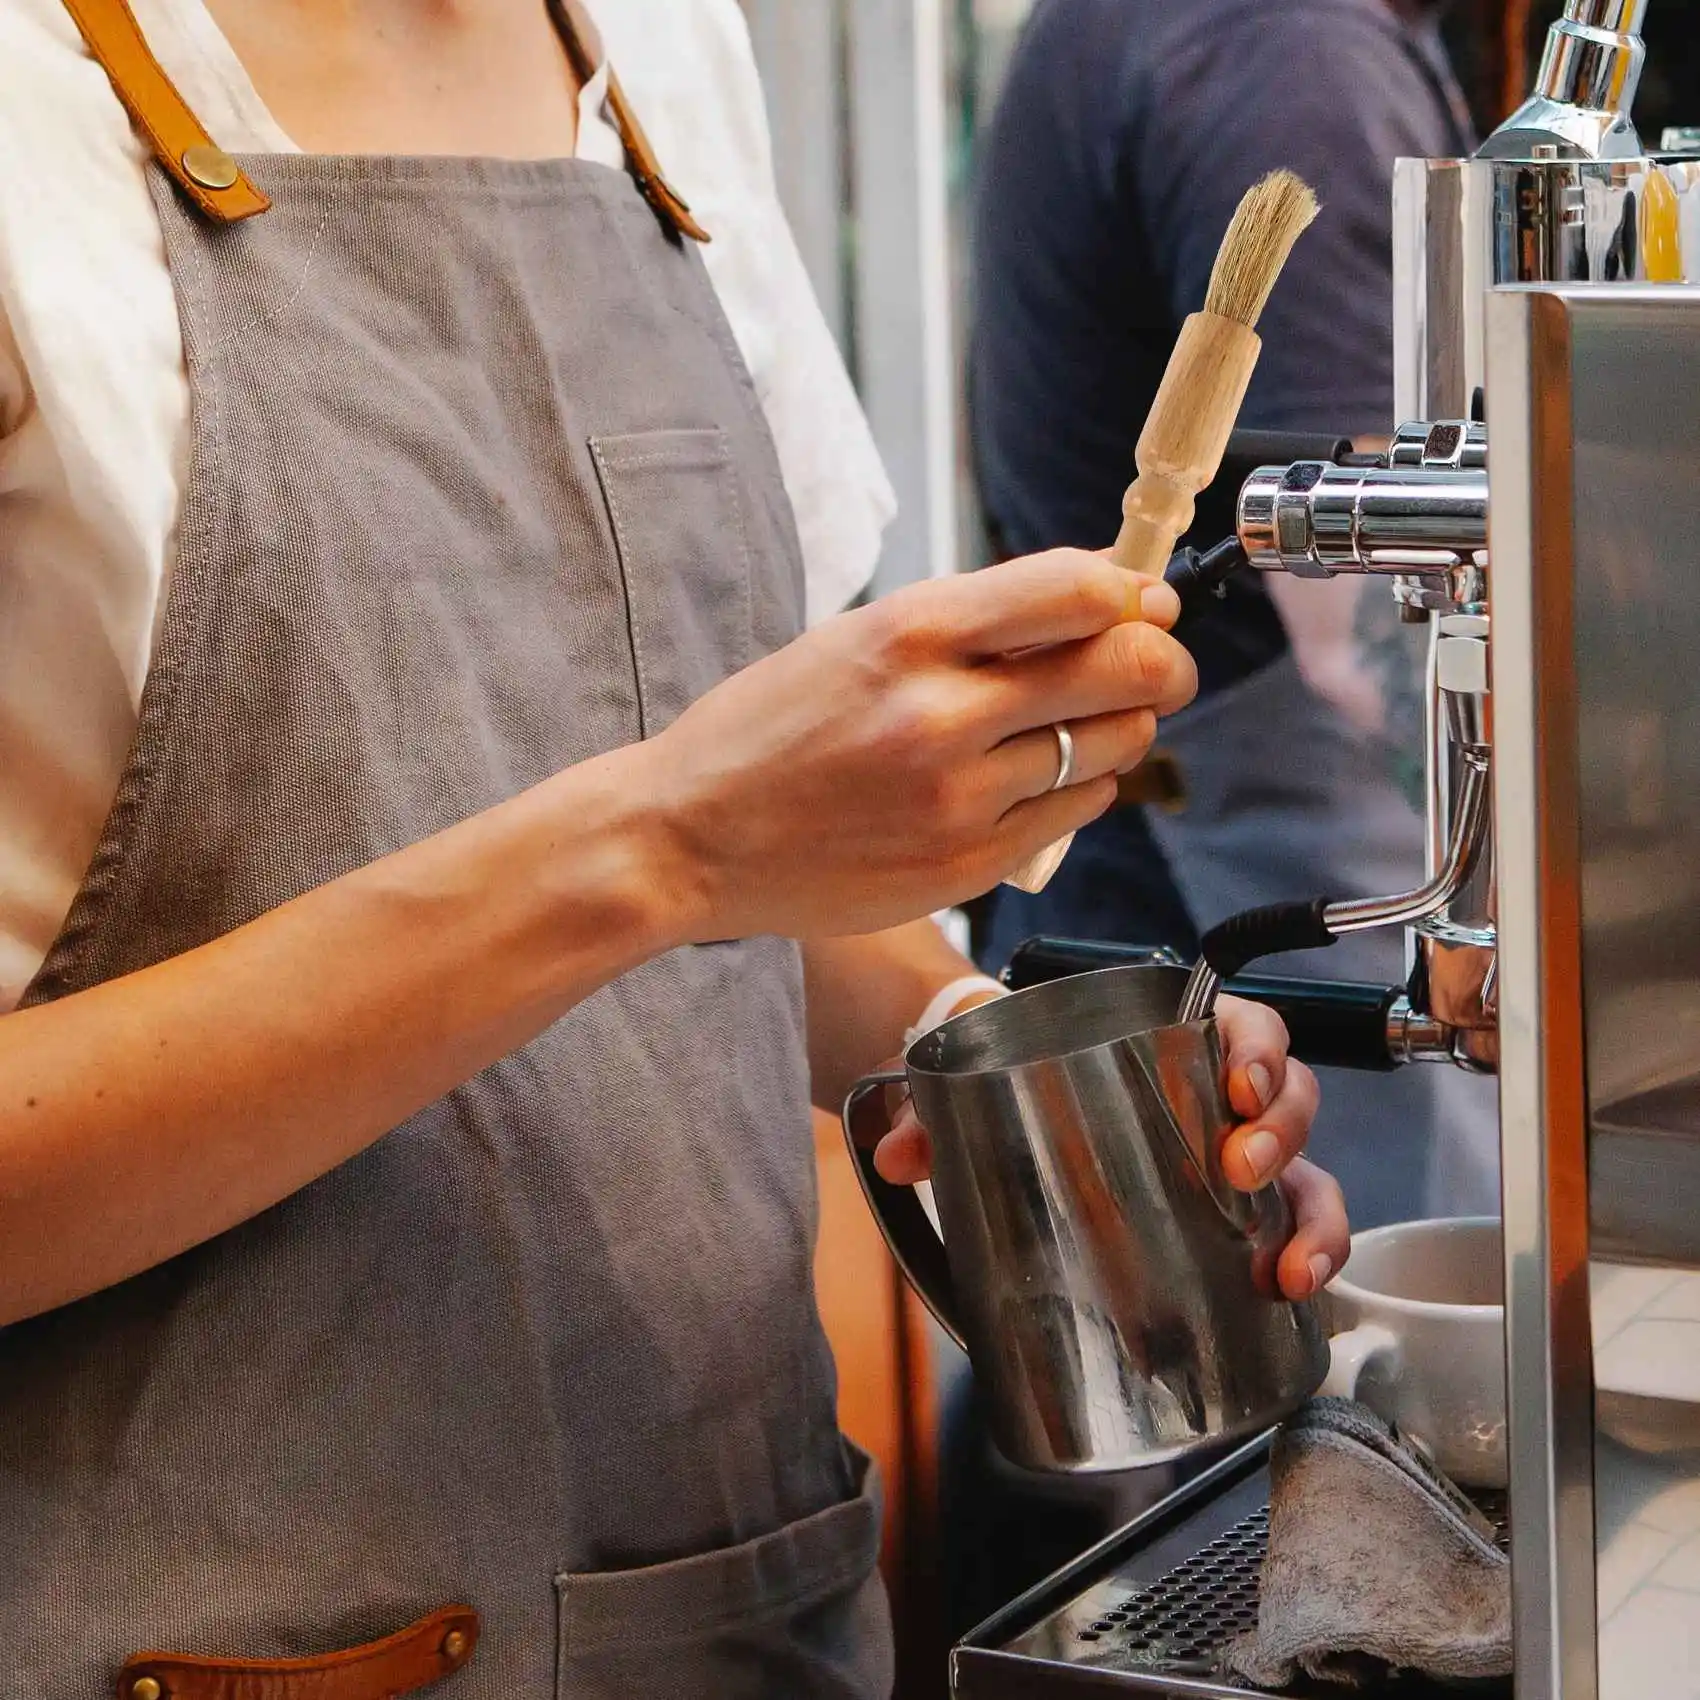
(1285, 799)
(479, 489)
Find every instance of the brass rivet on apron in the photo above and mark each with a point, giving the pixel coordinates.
(454, 1644)
(211, 167)
(146, 1688)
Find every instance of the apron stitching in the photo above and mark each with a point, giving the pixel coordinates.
(747, 633)
(720, 462)
(334, 195)
(627, 571)
(194, 547)
(851, 1570)
(113, 853)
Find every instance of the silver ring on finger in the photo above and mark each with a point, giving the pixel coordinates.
(1065, 756)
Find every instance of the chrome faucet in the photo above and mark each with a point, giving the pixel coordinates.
(1584, 89)
(1417, 517)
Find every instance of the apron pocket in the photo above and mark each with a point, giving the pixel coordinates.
(796, 1612)
(676, 504)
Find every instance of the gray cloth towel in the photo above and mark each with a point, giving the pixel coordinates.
(1376, 1562)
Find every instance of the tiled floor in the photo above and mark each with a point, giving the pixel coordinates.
(1647, 1342)
(1651, 1649)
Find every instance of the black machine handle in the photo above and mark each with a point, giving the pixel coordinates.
(1249, 450)
(1331, 1023)
(1192, 575)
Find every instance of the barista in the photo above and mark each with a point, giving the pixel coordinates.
(406, 1190)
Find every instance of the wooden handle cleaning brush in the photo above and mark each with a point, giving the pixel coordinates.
(1186, 432)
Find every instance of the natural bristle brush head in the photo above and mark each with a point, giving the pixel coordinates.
(1269, 220)
(1180, 449)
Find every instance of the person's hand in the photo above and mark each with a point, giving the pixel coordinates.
(899, 759)
(1277, 1096)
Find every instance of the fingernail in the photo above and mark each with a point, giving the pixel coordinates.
(1159, 604)
(1261, 1083)
(1261, 1151)
(1321, 1269)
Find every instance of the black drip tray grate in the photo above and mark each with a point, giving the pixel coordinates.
(1153, 1609)
(1185, 1621)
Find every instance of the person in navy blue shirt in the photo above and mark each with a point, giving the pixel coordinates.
(1125, 134)
(1124, 137)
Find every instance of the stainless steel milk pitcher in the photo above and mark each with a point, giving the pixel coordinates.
(1115, 1295)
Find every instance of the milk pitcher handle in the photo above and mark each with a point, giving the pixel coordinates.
(907, 1228)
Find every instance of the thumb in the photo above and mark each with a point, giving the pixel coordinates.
(1158, 602)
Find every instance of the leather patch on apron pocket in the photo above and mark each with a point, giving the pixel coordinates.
(801, 1606)
(676, 503)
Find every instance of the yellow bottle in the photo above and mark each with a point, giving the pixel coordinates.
(1661, 245)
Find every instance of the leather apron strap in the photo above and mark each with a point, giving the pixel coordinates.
(577, 29)
(202, 169)
(223, 191)
(400, 1664)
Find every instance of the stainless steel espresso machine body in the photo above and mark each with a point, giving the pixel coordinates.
(1547, 323)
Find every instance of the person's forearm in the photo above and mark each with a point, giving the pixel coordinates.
(864, 993)
(146, 1115)
(141, 1118)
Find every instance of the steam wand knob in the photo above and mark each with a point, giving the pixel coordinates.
(1191, 574)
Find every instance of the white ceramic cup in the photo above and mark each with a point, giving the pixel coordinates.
(1418, 1320)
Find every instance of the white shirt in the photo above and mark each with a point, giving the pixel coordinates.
(94, 400)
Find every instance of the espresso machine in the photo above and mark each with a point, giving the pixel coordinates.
(1548, 355)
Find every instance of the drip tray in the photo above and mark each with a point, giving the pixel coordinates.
(1153, 1608)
